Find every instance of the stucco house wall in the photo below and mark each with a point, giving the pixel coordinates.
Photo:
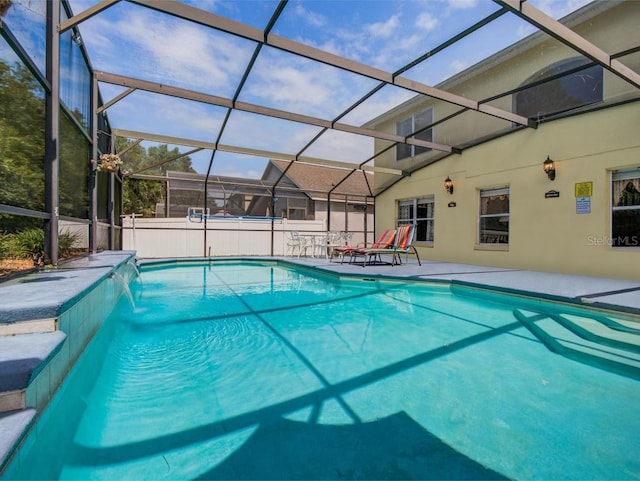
(545, 233)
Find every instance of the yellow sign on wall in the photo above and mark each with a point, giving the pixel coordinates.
(584, 189)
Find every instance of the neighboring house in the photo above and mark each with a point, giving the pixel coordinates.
(503, 209)
(305, 192)
(346, 204)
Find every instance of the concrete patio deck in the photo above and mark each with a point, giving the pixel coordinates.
(602, 292)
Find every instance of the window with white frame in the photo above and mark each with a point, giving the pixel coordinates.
(413, 124)
(625, 208)
(419, 212)
(494, 216)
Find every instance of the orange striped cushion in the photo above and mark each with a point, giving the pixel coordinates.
(385, 240)
(403, 237)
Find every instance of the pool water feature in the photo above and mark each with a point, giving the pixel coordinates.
(247, 370)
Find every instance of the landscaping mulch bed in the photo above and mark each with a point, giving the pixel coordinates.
(12, 266)
(9, 267)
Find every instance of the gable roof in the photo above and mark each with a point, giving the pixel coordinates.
(318, 180)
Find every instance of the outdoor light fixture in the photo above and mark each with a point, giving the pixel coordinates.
(448, 185)
(549, 168)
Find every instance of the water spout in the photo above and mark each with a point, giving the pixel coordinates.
(132, 263)
(125, 287)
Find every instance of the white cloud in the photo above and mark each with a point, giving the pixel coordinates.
(342, 146)
(264, 133)
(559, 8)
(381, 102)
(462, 4)
(426, 21)
(241, 166)
(384, 29)
(458, 65)
(311, 18)
(164, 115)
(294, 88)
(525, 30)
(159, 48)
(180, 47)
(282, 81)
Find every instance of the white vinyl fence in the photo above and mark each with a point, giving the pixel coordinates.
(181, 237)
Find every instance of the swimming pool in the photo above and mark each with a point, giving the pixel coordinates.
(251, 370)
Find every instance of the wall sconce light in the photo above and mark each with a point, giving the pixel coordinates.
(448, 185)
(549, 168)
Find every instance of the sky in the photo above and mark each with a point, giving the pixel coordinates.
(132, 40)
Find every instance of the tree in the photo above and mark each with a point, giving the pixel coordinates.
(22, 120)
(140, 196)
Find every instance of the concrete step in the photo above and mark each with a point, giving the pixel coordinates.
(12, 400)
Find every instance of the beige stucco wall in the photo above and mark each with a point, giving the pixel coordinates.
(545, 233)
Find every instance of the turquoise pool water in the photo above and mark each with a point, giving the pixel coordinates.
(260, 371)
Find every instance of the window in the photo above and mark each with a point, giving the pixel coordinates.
(418, 212)
(410, 125)
(560, 94)
(494, 216)
(625, 202)
(299, 208)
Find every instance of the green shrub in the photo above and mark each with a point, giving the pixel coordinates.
(29, 244)
(67, 241)
(3, 246)
(26, 244)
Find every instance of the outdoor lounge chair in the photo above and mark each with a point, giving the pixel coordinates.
(404, 243)
(385, 239)
(384, 245)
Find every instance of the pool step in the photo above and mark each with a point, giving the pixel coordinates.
(595, 340)
(28, 327)
(22, 358)
(13, 426)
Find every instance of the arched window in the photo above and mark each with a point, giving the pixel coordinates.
(560, 93)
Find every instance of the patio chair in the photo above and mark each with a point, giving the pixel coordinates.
(404, 243)
(296, 241)
(385, 239)
(320, 245)
(333, 242)
(384, 245)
